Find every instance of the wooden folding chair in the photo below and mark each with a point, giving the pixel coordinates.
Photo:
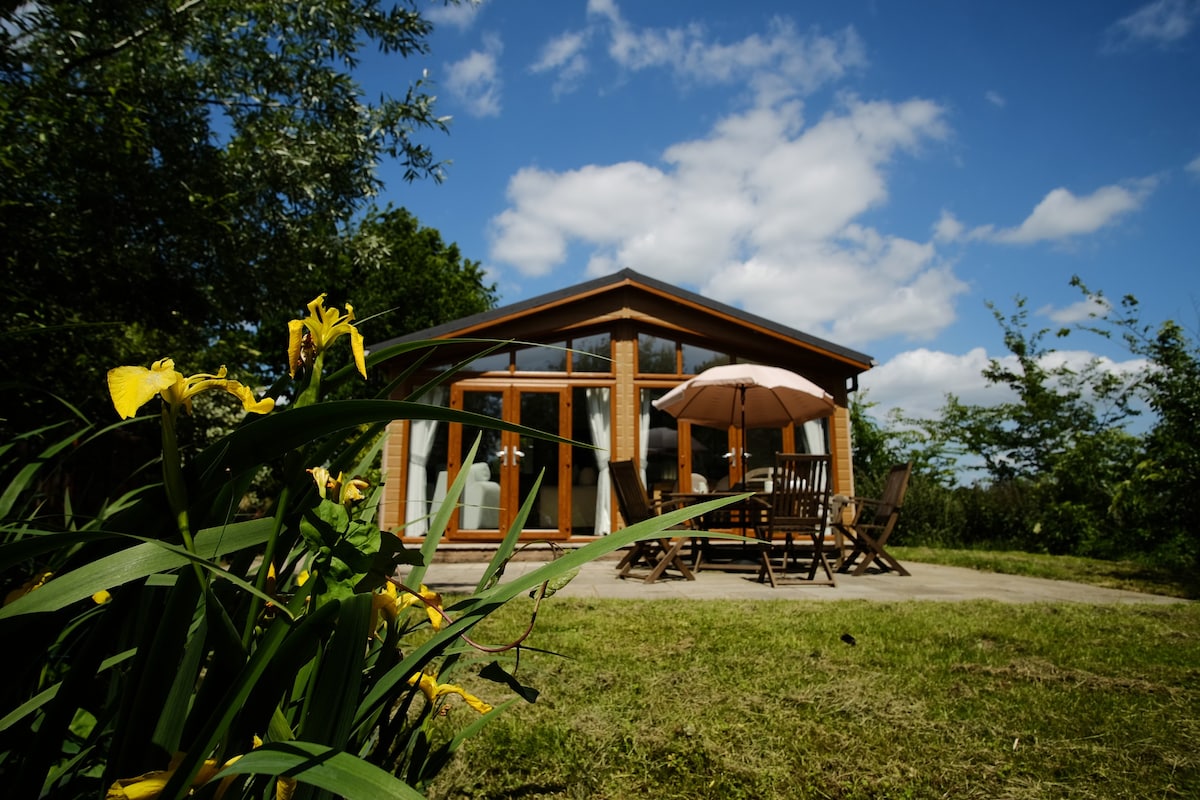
(867, 533)
(799, 515)
(659, 554)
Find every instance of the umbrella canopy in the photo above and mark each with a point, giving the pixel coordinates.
(746, 396)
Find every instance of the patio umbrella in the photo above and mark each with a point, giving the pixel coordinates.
(746, 396)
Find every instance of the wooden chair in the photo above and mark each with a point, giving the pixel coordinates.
(658, 554)
(799, 516)
(867, 533)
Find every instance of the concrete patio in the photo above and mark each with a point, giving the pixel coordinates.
(927, 582)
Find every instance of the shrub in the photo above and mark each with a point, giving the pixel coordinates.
(167, 642)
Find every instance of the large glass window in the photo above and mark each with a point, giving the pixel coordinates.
(592, 354)
(662, 444)
(543, 359)
(697, 359)
(656, 355)
(761, 446)
(496, 362)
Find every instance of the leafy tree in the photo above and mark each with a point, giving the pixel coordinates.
(873, 447)
(1155, 502)
(1055, 409)
(170, 168)
(1052, 456)
(435, 284)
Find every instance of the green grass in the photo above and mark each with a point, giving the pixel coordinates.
(1129, 575)
(667, 699)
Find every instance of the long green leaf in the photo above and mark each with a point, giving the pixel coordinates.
(264, 439)
(437, 526)
(48, 694)
(232, 704)
(505, 550)
(339, 675)
(477, 607)
(324, 767)
(25, 475)
(135, 563)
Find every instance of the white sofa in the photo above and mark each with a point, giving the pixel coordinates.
(480, 498)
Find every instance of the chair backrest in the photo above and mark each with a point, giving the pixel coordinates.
(894, 489)
(800, 500)
(632, 500)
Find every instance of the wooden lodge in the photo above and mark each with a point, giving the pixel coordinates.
(585, 362)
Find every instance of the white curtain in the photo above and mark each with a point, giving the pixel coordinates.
(600, 422)
(644, 434)
(420, 445)
(814, 437)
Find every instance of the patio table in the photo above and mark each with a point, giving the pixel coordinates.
(744, 517)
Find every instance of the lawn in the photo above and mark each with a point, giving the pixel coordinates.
(798, 699)
(1130, 575)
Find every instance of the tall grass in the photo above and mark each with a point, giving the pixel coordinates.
(794, 699)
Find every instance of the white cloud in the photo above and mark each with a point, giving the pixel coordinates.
(780, 63)
(475, 79)
(1194, 166)
(458, 15)
(762, 212)
(996, 99)
(1082, 311)
(564, 56)
(1161, 23)
(947, 228)
(1061, 214)
(916, 382)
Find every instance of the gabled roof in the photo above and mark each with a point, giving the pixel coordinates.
(518, 319)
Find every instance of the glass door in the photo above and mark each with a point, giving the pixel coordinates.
(507, 464)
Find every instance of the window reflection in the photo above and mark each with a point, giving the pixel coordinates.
(496, 362)
(592, 353)
(656, 355)
(697, 359)
(552, 358)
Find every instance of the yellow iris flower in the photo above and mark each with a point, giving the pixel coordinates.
(133, 387)
(150, 785)
(314, 333)
(434, 691)
(347, 491)
(391, 603)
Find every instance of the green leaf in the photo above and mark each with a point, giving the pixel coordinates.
(339, 675)
(25, 475)
(41, 698)
(263, 440)
(324, 767)
(474, 609)
(135, 563)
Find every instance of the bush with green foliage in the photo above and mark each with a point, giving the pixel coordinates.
(165, 643)
(220, 157)
(1059, 470)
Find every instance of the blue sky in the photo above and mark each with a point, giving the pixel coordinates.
(871, 172)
